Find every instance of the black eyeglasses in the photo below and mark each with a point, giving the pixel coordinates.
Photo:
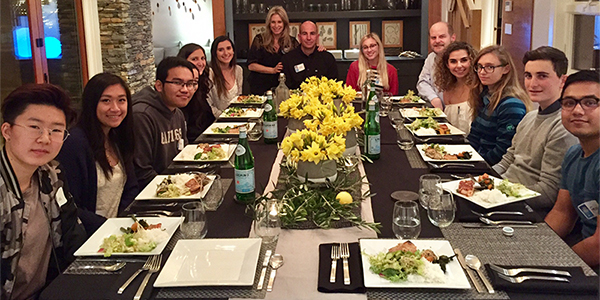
(181, 84)
(487, 69)
(587, 103)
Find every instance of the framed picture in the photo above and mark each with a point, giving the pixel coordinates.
(327, 34)
(392, 33)
(294, 29)
(358, 29)
(254, 29)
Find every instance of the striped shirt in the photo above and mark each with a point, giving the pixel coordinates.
(491, 134)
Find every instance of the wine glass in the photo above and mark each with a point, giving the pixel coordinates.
(406, 222)
(442, 209)
(194, 220)
(267, 224)
(430, 186)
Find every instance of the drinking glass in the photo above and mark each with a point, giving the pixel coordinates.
(385, 104)
(404, 138)
(214, 196)
(194, 220)
(430, 187)
(406, 222)
(441, 209)
(396, 118)
(256, 132)
(267, 224)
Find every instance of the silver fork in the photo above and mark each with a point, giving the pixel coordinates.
(335, 255)
(345, 254)
(523, 278)
(516, 271)
(516, 213)
(436, 166)
(154, 267)
(145, 267)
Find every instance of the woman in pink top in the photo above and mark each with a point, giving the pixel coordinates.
(372, 57)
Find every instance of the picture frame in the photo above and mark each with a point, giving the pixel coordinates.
(392, 33)
(294, 29)
(255, 29)
(358, 29)
(327, 34)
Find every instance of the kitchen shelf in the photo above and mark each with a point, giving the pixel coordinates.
(331, 15)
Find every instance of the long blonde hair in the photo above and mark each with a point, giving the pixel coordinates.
(285, 41)
(363, 64)
(508, 86)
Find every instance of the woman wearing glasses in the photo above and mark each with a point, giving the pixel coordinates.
(372, 57)
(454, 76)
(198, 114)
(498, 103)
(226, 75)
(98, 156)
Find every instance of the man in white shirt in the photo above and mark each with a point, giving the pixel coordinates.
(441, 34)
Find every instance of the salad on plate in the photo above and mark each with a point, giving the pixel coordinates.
(249, 99)
(139, 237)
(182, 185)
(429, 125)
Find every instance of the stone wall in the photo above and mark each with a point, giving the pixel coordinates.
(126, 40)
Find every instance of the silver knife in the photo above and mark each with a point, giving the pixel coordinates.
(479, 225)
(463, 264)
(263, 273)
(516, 271)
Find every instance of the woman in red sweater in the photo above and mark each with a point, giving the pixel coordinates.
(372, 57)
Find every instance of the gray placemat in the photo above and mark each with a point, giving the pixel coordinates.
(414, 158)
(74, 268)
(201, 292)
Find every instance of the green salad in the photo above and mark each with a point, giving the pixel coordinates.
(430, 112)
(424, 123)
(396, 266)
(512, 189)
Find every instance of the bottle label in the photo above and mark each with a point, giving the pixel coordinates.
(377, 118)
(243, 134)
(270, 129)
(268, 107)
(374, 144)
(244, 181)
(240, 150)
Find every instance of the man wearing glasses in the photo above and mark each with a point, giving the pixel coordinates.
(580, 187)
(38, 217)
(540, 142)
(160, 131)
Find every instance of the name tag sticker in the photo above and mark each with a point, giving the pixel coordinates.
(589, 209)
(60, 197)
(299, 68)
(180, 144)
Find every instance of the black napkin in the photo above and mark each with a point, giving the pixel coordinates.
(357, 284)
(578, 283)
(464, 214)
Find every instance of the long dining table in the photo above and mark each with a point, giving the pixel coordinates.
(297, 279)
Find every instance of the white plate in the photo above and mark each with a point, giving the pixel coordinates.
(113, 225)
(149, 192)
(210, 131)
(211, 262)
(188, 153)
(453, 186)
(451, 149)
(257, 113)
(413, 112)
(455, 276)
(237, 100)
(398, 98)
(431, 132)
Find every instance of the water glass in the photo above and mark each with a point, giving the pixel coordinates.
(442, 209)
(430, 187)
(406, 222)
(396, 118)
(256, 132)
(404, 138)
(385, 104)
(214, 196)
(267, 224)
(194, 220)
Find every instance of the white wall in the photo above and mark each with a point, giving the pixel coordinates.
(91, 25)
(542, 29)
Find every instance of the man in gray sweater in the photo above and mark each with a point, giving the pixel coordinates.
(541, 141)
(160, 131)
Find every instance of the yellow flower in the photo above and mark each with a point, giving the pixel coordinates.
(313, 153)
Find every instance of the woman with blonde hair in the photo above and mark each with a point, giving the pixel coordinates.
(498, 103)
(372, 57)
(264, 56)
(455, 77)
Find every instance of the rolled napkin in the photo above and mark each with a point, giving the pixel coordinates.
(357, 284)
(464, 214)
(578, 283)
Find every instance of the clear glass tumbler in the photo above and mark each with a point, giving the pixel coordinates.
(256, 132)
(406, 221)
(214, 196)
(441, 209)
(385, 104)
(267, 224)
(194, 220)
(430, 187)
(404, 138)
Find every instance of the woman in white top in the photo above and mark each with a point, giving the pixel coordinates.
(455, 77)
(226, 75)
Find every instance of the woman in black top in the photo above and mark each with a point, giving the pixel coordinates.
(264, 56)
(198, 114)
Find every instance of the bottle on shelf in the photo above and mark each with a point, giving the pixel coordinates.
(270, 121)
(372, 133)
(244, 170)
(282, 92)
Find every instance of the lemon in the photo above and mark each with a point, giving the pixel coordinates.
(344, 198)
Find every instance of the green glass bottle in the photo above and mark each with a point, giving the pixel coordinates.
(244, 170)
(373, 97)
(270, 120)
(372, 133)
